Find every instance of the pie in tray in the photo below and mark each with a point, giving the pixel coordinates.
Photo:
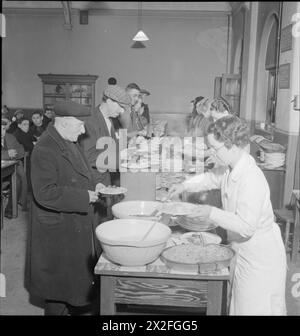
(194, 254)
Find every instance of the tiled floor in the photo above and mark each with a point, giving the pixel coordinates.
(17, 300)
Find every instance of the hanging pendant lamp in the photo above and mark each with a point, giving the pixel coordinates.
(140, 35)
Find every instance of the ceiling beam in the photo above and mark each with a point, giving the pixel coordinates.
(67, 14)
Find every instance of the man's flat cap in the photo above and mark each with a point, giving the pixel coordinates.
(117, 94)
(71, 109)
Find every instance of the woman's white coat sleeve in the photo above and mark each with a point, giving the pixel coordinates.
(250, 199)
(206, 181)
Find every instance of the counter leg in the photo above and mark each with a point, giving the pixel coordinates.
(214, 297)
(107, 295)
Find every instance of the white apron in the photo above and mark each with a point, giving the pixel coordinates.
(259, 269)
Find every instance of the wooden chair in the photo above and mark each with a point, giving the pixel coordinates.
(285, 217)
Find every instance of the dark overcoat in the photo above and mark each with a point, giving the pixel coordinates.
(61, 249)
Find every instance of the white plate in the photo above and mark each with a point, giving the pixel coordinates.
(201, 238)
(113, 190)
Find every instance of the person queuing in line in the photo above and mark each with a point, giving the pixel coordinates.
(23, 135)
(11, 149)
(49, 116)
(144, 112)
(61, 236)
(114, 102)
(201, 117)
(131, 119)
(7, 120)
(14, 124)
(258, 271)
(141, 116)
(38, 124)
(116, 122)
(126, 119)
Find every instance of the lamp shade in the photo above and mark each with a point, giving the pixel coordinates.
(140, 36)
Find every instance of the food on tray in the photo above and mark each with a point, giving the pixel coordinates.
(201, 238)
(177, 208)
(194, 254)
(113, 190)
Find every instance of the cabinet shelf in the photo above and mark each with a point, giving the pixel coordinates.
(80, 88)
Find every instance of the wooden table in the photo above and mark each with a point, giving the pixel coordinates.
(9, 168)
(156, 285)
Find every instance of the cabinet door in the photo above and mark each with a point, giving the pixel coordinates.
(54, 92)
(81, 94)
(231, 91)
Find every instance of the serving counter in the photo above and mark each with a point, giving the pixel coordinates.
(156, 285)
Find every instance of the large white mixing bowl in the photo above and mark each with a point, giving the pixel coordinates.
(121, 240)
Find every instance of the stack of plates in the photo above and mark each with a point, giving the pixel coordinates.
(274, 160)
(195, 224)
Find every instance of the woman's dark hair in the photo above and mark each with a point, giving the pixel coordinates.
(230, 130)
(195, 102)
(37, 112)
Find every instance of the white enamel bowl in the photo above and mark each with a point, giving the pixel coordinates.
(135, 209)
(121, 240)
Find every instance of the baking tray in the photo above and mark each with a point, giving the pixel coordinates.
(201, 267)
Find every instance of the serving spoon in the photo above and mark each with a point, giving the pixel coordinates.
(147, 233)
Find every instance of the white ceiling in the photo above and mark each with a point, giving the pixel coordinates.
(126, 6)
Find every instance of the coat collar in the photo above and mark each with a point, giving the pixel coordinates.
(100, 116)
(66, 152)
(245, 161)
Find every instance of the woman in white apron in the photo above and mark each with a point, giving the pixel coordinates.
(258, 273)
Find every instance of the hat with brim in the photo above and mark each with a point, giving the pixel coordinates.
(66, 108)
(118, 94)
(145, 92)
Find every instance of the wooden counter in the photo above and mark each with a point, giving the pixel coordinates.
(156, 285)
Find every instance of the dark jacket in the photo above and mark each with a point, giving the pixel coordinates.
(10, 142)
(26, 139)
(36, 131)
(95, 128)
(61, 252)
(12, 127)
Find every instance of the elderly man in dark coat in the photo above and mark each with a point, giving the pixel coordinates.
(62, 254)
